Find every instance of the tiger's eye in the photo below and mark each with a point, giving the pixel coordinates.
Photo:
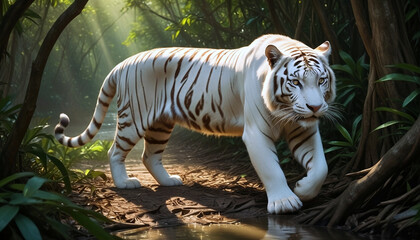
(296, 82)
(321, 81)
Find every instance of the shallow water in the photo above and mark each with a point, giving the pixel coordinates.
(270, 227)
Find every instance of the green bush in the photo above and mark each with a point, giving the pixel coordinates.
(29, 212)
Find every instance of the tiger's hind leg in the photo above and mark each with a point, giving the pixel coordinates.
(155, 141)
(117, 153)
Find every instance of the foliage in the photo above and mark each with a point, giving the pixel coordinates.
(410, 109)
(36, 213)
(26, 208)
(351, 82)
(350, 140)
(8, 113)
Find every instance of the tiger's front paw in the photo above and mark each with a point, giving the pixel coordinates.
(127, 183)
(283, 203)
(172, 180)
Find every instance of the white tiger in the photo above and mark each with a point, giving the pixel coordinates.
(274, 87)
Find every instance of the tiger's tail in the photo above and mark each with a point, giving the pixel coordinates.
(105, 97)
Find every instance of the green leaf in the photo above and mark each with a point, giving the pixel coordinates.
(15, 176)
(94, 174)
(354, 126)
(27, 228)
(347, 59)
(340, 143)
(385, 125)
(286, 160)
(63, 170)
(19, 199)
(7, 213)
(399, 77)
(97, 148)
(349, 99)
(49, 196)
(332, 149)
(411, 97)
(406, 66)
(343, 68)
(395, 111)
(33, 185)
(344, 133)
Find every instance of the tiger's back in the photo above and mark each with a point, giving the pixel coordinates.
(197, 88)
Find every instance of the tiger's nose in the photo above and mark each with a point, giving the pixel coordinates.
(314, 108)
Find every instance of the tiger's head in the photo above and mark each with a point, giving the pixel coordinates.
(299, 85)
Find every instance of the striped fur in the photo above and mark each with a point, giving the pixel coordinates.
(275, 87)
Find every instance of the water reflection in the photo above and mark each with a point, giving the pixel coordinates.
(270, 227)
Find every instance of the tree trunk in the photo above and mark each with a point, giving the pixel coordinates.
(301, 19)
(11, 148)
(8, 22)
(279, 29)
(382, 29)
(328, 31)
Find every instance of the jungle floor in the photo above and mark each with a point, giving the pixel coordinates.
(220, 186)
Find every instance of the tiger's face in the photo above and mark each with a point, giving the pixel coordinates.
(299, 86)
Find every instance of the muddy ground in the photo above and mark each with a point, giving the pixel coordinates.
(220, 186)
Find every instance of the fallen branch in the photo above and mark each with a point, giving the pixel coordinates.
(399, 156)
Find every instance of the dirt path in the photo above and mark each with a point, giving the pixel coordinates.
(219, 187)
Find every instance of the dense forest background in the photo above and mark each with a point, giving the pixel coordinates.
(376, 51)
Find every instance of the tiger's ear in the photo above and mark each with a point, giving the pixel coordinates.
(273, 55)
(324, 49)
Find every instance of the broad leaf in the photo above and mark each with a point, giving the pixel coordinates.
(395, 111)
(385, 125)
(410, 97)
(7, 213)
(344, 133)
(399, 77)
(33, 185)
(15, 176)
(27, 228)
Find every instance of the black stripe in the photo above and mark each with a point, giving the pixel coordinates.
(159, 130)
(106, 94)
(306, 165)
(159, 151)
(178, 69)
(125, 150)
(262, 116)
(297, 135)
(90, 135)
(69, 143)
(80, 142)
(208, 79)
(105, 104)
(96, 123)
(127, 140)
(151, 140)
(59, 130)
(275, 84)
(206, 120)
(302, 142)
(304, 155)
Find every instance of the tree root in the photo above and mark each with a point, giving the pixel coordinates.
(383, 176)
